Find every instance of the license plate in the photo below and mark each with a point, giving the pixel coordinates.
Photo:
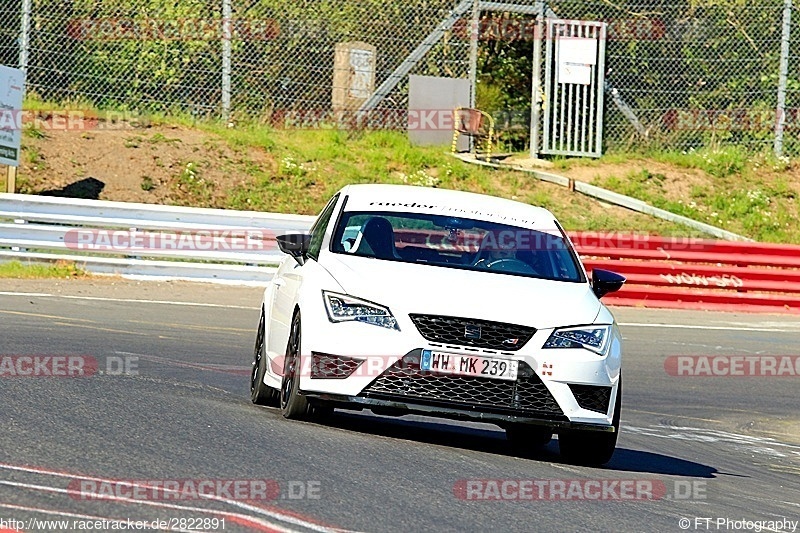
(468, 365)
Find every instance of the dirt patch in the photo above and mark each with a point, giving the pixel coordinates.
(156, 164)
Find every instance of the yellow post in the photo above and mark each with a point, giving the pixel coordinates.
(453, 147)
(11, 179)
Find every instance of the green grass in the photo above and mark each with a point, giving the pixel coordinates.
(763, 210)
(747, 193)
(60, 269)
(34, 157)
(310, 165)
(720, 162)
(194, 188)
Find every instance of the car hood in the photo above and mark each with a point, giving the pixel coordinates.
(419, 288)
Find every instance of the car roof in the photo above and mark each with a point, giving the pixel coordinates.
(413, 199)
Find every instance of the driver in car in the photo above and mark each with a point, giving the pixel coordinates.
(491, 256)
(496, 254)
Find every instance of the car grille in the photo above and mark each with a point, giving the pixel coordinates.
(592, 397)
(326, 366)
(527, 396)
(454, 330)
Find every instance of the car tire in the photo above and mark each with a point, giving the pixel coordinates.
(526, 439)
(591, 448)
(261, 394)
(293, 404)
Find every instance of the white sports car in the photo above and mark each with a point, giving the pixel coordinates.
(408, 300)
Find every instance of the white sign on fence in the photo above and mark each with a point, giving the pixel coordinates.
(12, 81)
(576, 57)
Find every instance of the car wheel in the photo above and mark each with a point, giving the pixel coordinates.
(293, 404)
(591, 447)
(260, 393)
(526, 439)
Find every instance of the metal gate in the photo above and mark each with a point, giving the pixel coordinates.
(573, 88)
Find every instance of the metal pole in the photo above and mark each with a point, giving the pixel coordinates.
(473, 59)
(226, 59)
(782, 76)
(536, 85)
(24, 35)
(473, 50)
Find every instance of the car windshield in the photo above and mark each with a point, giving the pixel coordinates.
(457, 243)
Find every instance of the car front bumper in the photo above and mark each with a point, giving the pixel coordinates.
(560, 382)
(398, 407)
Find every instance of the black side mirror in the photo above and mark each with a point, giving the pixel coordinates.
(295, 244)
(605, 281)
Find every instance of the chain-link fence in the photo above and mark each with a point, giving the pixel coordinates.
(217, 56)
(694, 72)
(678, 74)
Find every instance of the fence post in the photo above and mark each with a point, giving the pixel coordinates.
(226, 59)
(474, 31)
(536, 86)
(780, 119)
(473, 50)
(24, 35)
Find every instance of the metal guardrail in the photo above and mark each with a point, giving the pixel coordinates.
(144, 240)
(697, 273)
(239, 247)
(101, 213)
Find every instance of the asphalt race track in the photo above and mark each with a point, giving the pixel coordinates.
(720, 452)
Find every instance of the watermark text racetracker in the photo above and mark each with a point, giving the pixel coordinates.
(503, 28)
(188, 240)
(56, 119)
(542, 239)
(732, 366)
(172, 29)
(704, 523)
(69, 119)
(87, 239)
(252, 490)
(578, 489)
(66, 366)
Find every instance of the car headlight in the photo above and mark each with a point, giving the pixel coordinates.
(343, 308)
(592, 338)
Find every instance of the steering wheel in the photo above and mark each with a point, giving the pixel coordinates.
(510, 264)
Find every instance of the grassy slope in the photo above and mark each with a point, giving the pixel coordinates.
(750, 194)
(310, 165)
